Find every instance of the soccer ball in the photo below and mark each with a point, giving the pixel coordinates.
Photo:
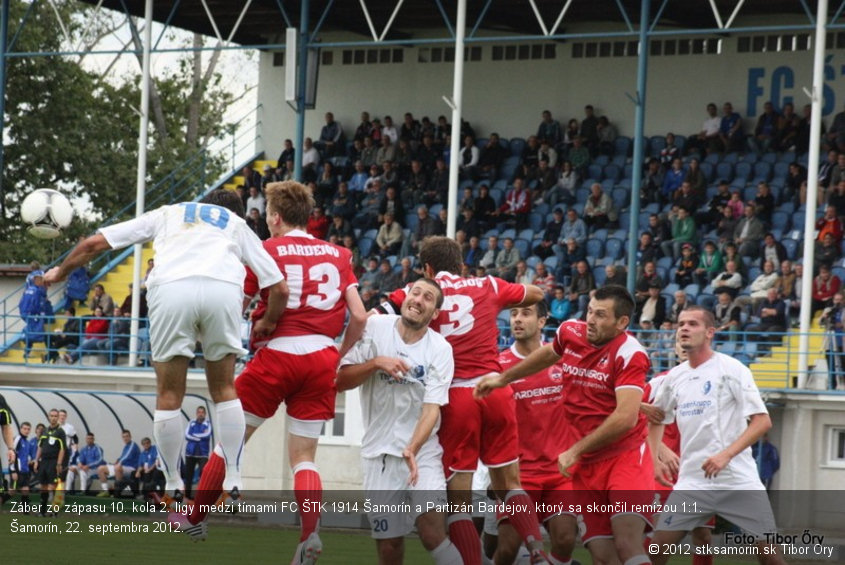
(47, 212)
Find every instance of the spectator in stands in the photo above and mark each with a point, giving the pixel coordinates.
(829, 224)
(426, 227)
(785, 284)
(358, 181)
(615, 274)
(369, 152)
(672, 180)
(68, 337)
(416, 185)
(826, 168)
(670, 151)
(387, 151)
(715, 207)
(438, 186)
(709, 264)
(567, 183)
(530, 157)
(96, 330)
(837, 175)
(392, 204)
(148, 475)
(386, 280)
(730, 252)
(698, 182)
(441, 220)
(493, 154)
(572, 131)
(687, 263)
(652, 309)
(251, 178)
(318, 223)
(524, 274)
(410, 131)
(469, 224)
(589, 128)
(764, 201)
(833, 320)
(573, 228)
(332, 141)
(389, 237)
(599, 211)
(288, 154)
(474, 254)
(728, 317)
(118, 336)
(468, 160)
(549, 130)
(547, 151)
(389, 131)
(364, 127)
(257, 224)
(730, 130)
(367, 280)
(488, 260)
(517, 206)
(706, 140)
(646, 250)
(402, 162)
(507, 260)
(652, 183)
(827, 251)
(582, 284)
(123, 467)
(551, 235)
(560, 306)
(684, 198)
(571, 254)
(759, 287)
(766, 130)
(749, 232)
(683, 231)
(726, 226)
(406, 274)
(835, 137)
(680, 304)
(269, 175)
(607, 134)
(648, 277)
(579, 156)
(544, 279)
(428, 153)
(792, 188)
(101, 299)
(789, 125)
(836, 198)
(340, 228)
(771, 312)
(772, 250)
(729, 281)
(326, 184)
(659, 229)
(310, 160)
(344, 203)
(546, 179)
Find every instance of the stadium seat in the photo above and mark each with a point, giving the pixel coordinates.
(601, 160)
(509, 233)
(780, 220)
(594, 172)
(517, 144)
(712, 158)
(681, 143)
(435, 210)
(526, 234)
(371, 234)
(780, 170)
(771, 158)
(732, 157)
(724, 172)
(611, 172)
(798, 219)
(365, 244)
(543, 208)
(411, 221)
(619, 160)
(551, 262)
(665, 263)
(523, 246)
(671, 288)
(622, 146)
(753, 273)
(839, 272)
(742, 173)
(706, 301)
(620, 198)
(579, 207)
(628, 171)
(600, 234)
(707, 169)
(692, 291)
(749, 193)
(599, 274)
(762, 172)
(625, 221)
(656, 144)
(749, 157)
(594, 248)
(614, 248)
(787, 157)
(497, 194)
(581, 196)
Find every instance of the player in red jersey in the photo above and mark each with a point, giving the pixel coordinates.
(604, 372)
(468, 322)
(543, 435)
(297, 366)
(670, 454)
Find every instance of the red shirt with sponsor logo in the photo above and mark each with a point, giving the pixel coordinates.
(591, 376)
(543, 431)
(468, 319)
(318, 274)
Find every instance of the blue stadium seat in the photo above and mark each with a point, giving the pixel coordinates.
(749, 193)
(712, 158)
(780, 220)
(435, 210)
(628, 171)
(681, 143)
(579, 207)
(622, 146)
(594, 248)
(611, 172)
(619, 160)
(770, 158)
(791, 247)
(551, 262)
(532, 262)
(371, 233)
(614, 248)
(839, 272)
(706, 301)
(594, 172)
(523, 246)
(620, 198)
(509, 233)
(707, 169)
(656, 144)
(517, 144)
(365, 244)
(535, 220)
(762, 172)
(600, 234)
(724, 171)
(788, 207)
(671, 288)
(750, 157)
(787, 157)
(732, 157)
(411, 221)
(599, 274)
(798, 219)
(581, 196)
(780, 170)
(497, 194)
(665, 263)
(527, 234)
(601, 160)
(742, 173)
(692, 291)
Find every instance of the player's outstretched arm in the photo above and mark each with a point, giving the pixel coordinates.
(534, 363)
(86, 250)
(422, 431)
(758, 425)
(351, 376)
(533, 295)
(9, 438)
(357, 320)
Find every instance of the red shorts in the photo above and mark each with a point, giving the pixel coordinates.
(551, 494)
(305, 383)
(612, 486)
(463, 420)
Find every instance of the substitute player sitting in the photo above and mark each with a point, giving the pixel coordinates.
(404, 370)
(298, 364)
(194, 294)
(720, 414)
(543, 435)
(604, 372)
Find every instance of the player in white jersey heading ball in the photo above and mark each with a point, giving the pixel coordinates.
(720, 414)
(404, 369)
(194, 294)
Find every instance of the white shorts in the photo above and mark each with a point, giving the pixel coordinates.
(195, 309)
(394, 504)
(749, 510)
(126, 469)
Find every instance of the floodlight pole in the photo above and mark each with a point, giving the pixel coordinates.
(301, 89)
(457, 108)
(141, 184)
(812, 194)
(639, 146)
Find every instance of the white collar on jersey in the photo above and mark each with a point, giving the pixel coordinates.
(298, 233)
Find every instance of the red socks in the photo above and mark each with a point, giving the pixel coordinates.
(464, 536)
(308, 489)
(523, 520)
(210, 487)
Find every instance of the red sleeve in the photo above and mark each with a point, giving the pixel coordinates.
(251, 287)
(508, 294)
(557, 344)
(632, 373)
(396, 298)
(349, 278)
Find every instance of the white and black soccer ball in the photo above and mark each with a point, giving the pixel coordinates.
(47, 212)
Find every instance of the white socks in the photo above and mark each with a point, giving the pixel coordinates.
(169, 435)
(231, 426)
(446, 554)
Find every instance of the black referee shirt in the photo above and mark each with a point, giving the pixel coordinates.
(52, 441)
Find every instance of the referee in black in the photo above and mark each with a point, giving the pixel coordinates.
(8, 437)
(48, 461)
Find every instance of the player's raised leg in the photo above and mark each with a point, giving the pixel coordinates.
(167, 421)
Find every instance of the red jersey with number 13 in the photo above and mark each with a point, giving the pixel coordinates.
(592, 375)
(468, 319)
(318, 274)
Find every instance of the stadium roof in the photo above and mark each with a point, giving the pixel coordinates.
(264, 20)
